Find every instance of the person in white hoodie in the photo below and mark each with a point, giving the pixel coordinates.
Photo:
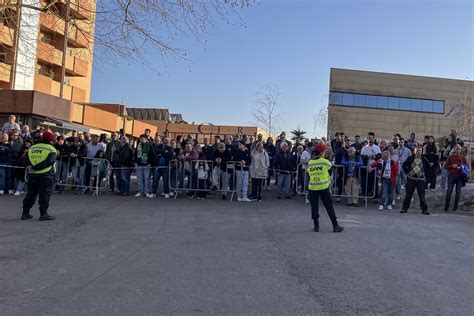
(258, 170)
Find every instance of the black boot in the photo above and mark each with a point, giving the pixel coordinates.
(316, 226)
(46, 217)
(25, 217)
(425, 213)
(337, 228)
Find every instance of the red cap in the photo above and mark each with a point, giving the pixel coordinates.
(48, 136)
(319, 148)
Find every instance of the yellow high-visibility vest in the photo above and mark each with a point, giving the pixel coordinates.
(318, 171)
(39, 153)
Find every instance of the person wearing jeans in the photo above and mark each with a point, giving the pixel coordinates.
(403, 154)
(283, 167)
(388, 170)
(143, 163)
(243, 161)
(220, 174)
(453, 165)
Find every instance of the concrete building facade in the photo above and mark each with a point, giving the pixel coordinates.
(384, 103)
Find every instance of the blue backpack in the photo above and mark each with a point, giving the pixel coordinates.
(465, 173)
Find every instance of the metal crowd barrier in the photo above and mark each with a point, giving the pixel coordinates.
(338, 183)
(194, 176)
(92, 174)
(69, 173)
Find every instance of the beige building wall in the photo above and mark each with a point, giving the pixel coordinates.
(384, 123)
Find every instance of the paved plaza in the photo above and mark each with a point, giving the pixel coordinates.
(112, 255)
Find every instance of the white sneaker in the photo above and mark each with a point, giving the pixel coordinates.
(389, 207)
(246, 199)
(149, 195)
(23, 192)
(239, 199)
(138, 194)
(306, 201)
(17, 193)
(167, 196)
(162, 194)
(171, 194)
(152, 196)
(399, 197)
(380, 207)
(1, 192)
(394, 203)
(10, 192)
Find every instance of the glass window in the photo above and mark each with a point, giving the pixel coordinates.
(405, 104)
(359, 100)
(371, 101)
(335, 98)
(382, 102)
(415, 105)
(438, 106)
(393, 103)
(348, 99)
(427, 105)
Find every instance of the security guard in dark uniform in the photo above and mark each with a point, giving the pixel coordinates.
(318, 170)
(41, 170)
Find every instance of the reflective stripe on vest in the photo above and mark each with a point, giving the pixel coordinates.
(39, 153)
(318, 171)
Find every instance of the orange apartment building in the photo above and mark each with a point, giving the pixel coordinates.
(46, 67)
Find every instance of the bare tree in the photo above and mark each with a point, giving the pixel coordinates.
(134, 30)
(268, 109)
(329, 118)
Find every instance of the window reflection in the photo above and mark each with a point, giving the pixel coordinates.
(383, 102)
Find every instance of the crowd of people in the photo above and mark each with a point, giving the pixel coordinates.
(378, 169)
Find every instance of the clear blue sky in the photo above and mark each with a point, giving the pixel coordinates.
(293, 44)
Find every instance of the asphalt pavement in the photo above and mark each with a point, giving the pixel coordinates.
(111, 255)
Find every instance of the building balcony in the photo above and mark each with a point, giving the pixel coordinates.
(76, 66)
(77, 38)
(5, 72)
(7, 35)
(49, 86)
(80, 9)
(52, 23)
(49, 54)
(78, 94)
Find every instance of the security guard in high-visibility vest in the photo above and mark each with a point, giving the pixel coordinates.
(318, 170)
(41, 170)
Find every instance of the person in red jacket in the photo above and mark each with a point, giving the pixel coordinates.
(453, 165)
(388, 173)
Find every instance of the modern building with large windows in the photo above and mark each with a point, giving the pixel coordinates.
(384, 103)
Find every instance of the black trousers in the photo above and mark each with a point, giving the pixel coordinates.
(410, 187)
(453, 181)
(257, 188)
(42, 186)
(87, 174)
(431, 180)
(325, 195)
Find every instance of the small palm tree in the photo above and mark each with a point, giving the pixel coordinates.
(298, 134)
